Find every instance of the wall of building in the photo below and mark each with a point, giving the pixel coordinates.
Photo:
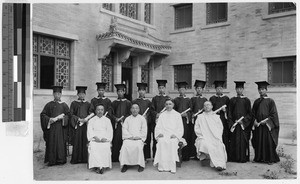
(246, 40)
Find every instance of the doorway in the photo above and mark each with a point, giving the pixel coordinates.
(127, 77)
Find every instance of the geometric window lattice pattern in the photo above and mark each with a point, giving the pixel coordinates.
(145, 75)
(107, 6)
(216, 12)
(46, 45)
(107, 71)
(35, 68)
(62, 72)
(62, 48)
(216, 71)
(282, 71)
(147, 15)
(35, 44)
(183, 16)
(129, 10)
(183, 73)
(107, 76)
(281, 7)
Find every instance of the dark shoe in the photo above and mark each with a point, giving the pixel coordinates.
(124, 169)
(220, 168)
(141, 169)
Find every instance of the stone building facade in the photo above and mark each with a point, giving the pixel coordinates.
(81, 44)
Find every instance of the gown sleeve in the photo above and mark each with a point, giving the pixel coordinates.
(125, 133)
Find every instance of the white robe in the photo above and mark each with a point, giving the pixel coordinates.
(99, 152)
(209, 129)
(132, 152)
(169, 123)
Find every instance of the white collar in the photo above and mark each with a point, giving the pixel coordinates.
(241, 96)
(123, 99)
(219, 96)
(58, 101)
(80, 100)
(101, 97)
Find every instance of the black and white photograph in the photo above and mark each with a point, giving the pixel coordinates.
(149, 91)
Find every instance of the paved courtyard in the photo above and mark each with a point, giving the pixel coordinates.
(190, 170)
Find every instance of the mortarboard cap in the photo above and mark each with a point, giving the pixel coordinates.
(262, 84)
(81, 89)
(199, 83)
(182, 84)
(57, 89)
(142, 85)
(218, 83)
(161, 82)
(239, 84)
(120, 86)
(101, 85)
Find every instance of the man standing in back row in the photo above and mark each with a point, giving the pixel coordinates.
(181, 105)
(197, 105)
(240, 124)
(218, 100)
(121, 110)
(158, 104)
(145, 104)
(54, 121)
(266, 127)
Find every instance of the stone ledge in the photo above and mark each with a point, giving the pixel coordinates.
(277, 15)
(183, 30)
(216, 25)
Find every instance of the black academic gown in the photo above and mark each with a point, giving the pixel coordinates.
(197, 103)
(56, 136)
(158, 103)
(239, 138)
(79, 109)
(144, 104)
(181, 104)
(217, 102)
(106, 102)
(265, 141)
(120, 107)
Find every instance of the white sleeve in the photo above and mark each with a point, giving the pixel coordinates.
(90, 132)
(109, 130)
(158, 128)
(125, 133)
(197, 127)
(179, 132)
(144, 129)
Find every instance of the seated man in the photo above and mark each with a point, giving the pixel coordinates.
(168, 132)
(134, 134)
(209, 145)
(99, 134)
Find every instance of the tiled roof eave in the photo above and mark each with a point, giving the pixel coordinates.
(120, 36)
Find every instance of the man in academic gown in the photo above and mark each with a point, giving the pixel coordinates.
(240, 124)
(101, 99)
(168, 133)
(134, 133)
(145, 105)
(209, 130)
(121, 110)
(196, 108)
(54, 121)
(181, 104)
(79, 111)
(266, 127)
(218, 100)
(158, 104)
(99, 135)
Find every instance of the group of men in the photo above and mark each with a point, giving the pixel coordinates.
(218, 129)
